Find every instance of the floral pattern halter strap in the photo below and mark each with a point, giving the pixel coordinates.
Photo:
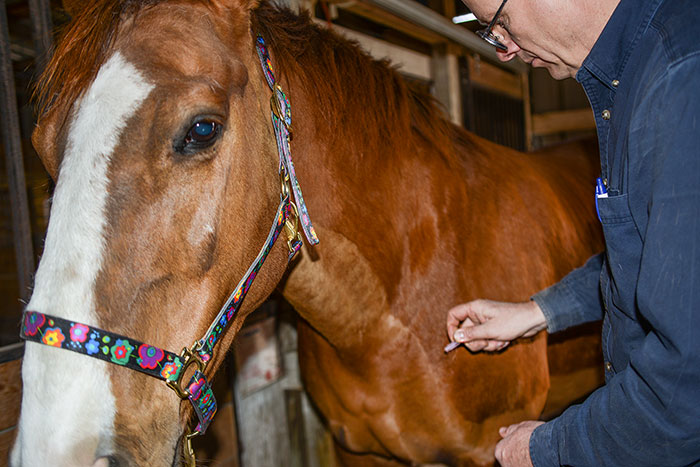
(170, 367)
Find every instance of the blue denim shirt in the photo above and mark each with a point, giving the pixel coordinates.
(642, 78)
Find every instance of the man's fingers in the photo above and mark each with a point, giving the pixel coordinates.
(499, 452)
(476, 346)
(470, 332)
(455, 317)
(458, 313)
(495, 346)
(510, 429)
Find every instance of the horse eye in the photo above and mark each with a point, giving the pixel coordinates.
(202, 133)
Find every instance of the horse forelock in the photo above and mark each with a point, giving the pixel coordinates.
(84, 44)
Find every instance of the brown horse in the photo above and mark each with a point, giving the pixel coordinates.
(154, 221)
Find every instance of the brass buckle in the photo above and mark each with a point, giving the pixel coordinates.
(189, 357)
(284, 180)
(291, 226)
(277, 110)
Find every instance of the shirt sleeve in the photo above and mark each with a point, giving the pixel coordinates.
(576, 299)
(648, 414)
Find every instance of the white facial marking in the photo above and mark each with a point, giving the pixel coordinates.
(68, 407)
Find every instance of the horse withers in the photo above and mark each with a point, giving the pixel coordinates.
(156, 126)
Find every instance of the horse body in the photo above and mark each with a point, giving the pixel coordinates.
(371, 348)
(414, 216)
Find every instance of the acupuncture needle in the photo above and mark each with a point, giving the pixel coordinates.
(451, 346)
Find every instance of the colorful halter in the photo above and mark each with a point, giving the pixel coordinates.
(168, 366)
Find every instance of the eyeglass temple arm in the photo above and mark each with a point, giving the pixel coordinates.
(495, 17)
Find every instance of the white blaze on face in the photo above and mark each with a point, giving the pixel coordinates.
(68, 407)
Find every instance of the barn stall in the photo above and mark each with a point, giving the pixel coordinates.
(260, 390)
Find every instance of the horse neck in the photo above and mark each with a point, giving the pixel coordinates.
(365, 196)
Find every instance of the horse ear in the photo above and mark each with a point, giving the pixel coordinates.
(73, 7)
(44, 139)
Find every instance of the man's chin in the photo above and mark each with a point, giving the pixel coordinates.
(557, 71)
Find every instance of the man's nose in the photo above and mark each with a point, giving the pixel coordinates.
(505, 39)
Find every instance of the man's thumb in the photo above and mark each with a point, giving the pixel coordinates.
(471, 333)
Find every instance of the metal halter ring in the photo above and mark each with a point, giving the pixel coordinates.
(189, 357)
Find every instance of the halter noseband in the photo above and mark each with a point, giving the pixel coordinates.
(168, 366)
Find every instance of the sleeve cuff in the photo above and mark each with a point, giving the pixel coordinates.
(543, 447)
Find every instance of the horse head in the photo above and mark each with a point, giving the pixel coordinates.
(156, 129)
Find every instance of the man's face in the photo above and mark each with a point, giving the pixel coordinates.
(541, 32)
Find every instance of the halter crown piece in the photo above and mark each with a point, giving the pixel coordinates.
(168, 366)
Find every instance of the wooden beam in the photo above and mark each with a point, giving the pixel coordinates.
(566, 120)
(424, 24)
(494, 78)
(410, 62)
(383, 17)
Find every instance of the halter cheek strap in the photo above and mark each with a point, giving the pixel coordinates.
(168, 366)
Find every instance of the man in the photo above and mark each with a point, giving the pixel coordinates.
(639, 63)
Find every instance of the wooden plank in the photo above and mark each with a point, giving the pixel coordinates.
(561, 121)
(446, 81)
(295, 425)
(12, 352)
(448, 8)
(219, 446)
(410, 62)
(7, 439)
(383, 17)
(10, 393)
(527, 109)
(270, 411)
(485, 75)
(14, 164)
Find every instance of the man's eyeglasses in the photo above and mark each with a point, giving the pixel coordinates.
(488, 35)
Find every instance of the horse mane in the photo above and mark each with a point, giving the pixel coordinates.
(342, 76)
(384, 104)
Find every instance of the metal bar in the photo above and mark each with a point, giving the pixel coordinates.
(429, 19)
(40, 12)
(21, 228)
(12, 352)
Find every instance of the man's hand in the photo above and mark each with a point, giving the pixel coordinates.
(514, 449)
(490, 326)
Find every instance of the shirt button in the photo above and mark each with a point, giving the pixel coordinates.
(615, 83)
(608, 366)
(606, 114)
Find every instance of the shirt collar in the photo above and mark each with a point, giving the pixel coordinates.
(609, 54)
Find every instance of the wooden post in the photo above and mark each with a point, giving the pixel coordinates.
(40, 11)
(445, 72)
(14, 163)
(527, 110)
(10, 396)
(294, 401)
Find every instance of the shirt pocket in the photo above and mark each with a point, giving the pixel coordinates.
(622, 249)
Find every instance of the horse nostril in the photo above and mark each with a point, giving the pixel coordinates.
(107, 461)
